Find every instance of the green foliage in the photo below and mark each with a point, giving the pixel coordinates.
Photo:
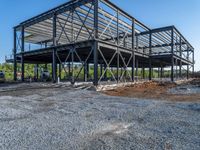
(29, 71)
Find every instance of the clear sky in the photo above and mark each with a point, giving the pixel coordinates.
(184, 14)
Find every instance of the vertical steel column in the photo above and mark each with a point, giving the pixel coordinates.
(14, 55)
(150, 46)
(69, 69)
(22, 53)
(85, 72)
(73, 49)
(117, 46)
(72, 67)
(101, 69)
(161, 72)
(193, 63)
(133, 50)
(96, 5)
(37, 72)
(88, 71)
(187, 64)
(60, 70)
(137, 69)
(176, 69)
(143, 72)
(172, 54)
(105, 74)
(54, 66)
(180, 65)
(46, 66)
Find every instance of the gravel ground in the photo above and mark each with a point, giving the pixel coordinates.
(62, 117)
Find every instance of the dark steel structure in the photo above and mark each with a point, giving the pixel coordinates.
(100, 35)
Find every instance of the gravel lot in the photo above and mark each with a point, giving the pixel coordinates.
(46, 117)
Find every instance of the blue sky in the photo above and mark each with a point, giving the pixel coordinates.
(184, 14)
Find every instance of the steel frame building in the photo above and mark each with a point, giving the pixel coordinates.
(99, 33)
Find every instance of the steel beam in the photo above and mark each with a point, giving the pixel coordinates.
(156, 30)
(58, 10)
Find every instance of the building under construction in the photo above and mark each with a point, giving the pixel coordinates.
(99, 35)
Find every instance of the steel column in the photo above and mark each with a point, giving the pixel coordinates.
(22, 53)
(150, 45)
(137, 69)
(180, 65)
(60, 70)
(72, 67)
(96, 6)
(143, 72)
(85, 72)
(101, 69)
(37, 72)
(117, 46)
(88, 71)
(14, 55)
(54, 65)
(105, 74)
(133, 50)
(69, 70)
(176, 69)
(193, 63)
(161, 72)
(187, 65)
(172, 54)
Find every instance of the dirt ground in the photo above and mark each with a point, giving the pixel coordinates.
(159, 90)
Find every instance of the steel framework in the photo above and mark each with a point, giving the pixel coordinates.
(97, 33)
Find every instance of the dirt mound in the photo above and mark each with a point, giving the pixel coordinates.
(195, 82)
(153, 90)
